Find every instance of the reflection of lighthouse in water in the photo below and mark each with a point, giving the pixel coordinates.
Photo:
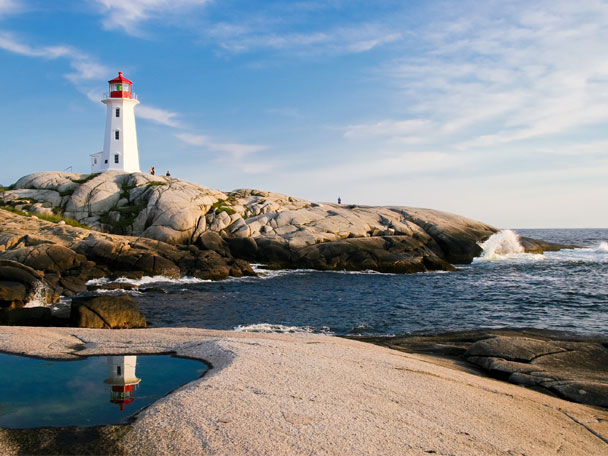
(122, 379)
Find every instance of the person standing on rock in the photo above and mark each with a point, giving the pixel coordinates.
(168, 174)
(152, 170)
(339, 200)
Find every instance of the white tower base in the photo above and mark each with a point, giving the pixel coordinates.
(120, 152)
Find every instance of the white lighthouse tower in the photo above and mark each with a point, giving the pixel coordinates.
(120, 151)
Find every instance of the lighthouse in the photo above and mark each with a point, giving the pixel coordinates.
(120, 152)
(122, 379)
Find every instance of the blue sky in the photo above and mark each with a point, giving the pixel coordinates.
(496, 110)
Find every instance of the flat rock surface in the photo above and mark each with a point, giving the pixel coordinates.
(569, 365)
(311, 394)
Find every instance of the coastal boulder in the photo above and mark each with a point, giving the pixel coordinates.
(20, 284)
(106, 312)
(12, 294)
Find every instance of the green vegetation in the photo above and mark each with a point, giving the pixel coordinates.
(125, 189)
(86, 179)
(155, 183)
(219, 206)
(227, 210)
(48, 218)
(126, 217)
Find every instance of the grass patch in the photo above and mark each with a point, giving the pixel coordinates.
(86, 179)
(48, 218)
(227, 210)
(127, 216)
(125, 189)
(219, 206)
(155, 183)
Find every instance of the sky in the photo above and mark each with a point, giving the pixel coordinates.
(495, 110)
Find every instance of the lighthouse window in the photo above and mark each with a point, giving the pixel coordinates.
(116, 158)
(117, 370)
(117, 112)
(117, 134)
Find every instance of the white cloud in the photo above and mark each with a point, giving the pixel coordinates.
(84, 66)
(255, 35)
(127, 15)
(158, 115)
(193, 140)
(502, 75)
(9, 43)
(237, 150)
(388, 127)
(232, 150)
(9, 7)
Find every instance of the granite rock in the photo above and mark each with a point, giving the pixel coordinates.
(109, 312)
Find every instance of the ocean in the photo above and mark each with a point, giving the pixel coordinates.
(565, 290)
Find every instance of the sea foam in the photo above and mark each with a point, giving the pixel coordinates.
(282, 329)
(149, 280)
(502, 245)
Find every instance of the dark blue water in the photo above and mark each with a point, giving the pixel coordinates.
(42, 392)
(566, 290)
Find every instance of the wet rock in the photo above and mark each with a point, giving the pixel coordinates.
(72, 285)
(132, 275)
(109, 312)
(396, 254)
(538, 246)
(114, 286)
(16, 277)
(29, 316)
(153, 290)
(12, 294)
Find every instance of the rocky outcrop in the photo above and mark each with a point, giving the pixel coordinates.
(267, 227)
(279, 230)
(61, 259)
(106, 312)
(571, 366)
(575, 370)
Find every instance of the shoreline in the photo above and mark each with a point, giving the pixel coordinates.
(303, 394)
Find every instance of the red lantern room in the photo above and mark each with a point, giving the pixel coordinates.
(120, 87)
(122, 395)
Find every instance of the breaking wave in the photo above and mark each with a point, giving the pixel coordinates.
(149, 280)
(502, 245)
(39, 297)
(505, 245)
(281, 329)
